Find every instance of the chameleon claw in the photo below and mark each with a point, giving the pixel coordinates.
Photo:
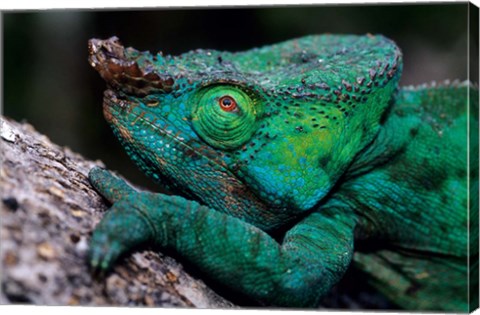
(95, 258)
(99, 265)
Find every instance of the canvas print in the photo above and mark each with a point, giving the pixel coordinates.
(300, 157)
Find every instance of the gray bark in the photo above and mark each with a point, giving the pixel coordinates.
(48, 210)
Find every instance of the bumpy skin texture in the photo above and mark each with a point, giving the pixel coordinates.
(284, 159)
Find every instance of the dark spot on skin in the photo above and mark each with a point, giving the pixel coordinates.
(444, 198)
(323, 161)
(432, 177)
(461, 173)
(418, 175)
(219, 58)
(347, 85)
(414, 132)
(11, 203)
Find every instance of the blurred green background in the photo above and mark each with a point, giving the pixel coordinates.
(49, 83)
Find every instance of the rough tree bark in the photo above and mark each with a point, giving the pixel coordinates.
(48, 210)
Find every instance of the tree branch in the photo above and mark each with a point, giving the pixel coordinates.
(48, 211)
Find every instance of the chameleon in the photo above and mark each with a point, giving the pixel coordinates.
(290, 162)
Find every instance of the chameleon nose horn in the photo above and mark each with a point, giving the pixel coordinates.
(127, 69)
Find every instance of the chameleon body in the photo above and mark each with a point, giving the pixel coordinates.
(286, 158)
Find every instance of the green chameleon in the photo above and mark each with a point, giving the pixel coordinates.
(287, 158)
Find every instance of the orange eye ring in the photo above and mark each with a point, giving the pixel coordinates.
(227, 103)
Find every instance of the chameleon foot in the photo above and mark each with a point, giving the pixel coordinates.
(123, 227)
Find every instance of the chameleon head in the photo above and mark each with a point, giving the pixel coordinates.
(262, 134)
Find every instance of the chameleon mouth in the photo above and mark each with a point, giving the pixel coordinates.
(127, 69)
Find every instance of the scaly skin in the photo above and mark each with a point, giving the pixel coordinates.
(309, 140)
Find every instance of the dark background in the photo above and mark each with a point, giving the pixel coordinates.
(49, 83)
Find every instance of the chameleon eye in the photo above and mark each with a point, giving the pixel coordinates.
(227, 103)
(224, 116)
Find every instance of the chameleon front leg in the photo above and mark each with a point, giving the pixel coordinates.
(312, 257)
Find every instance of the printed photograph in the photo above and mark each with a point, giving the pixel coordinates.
(313, 157)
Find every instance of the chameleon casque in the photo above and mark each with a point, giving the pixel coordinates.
(284, 160)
